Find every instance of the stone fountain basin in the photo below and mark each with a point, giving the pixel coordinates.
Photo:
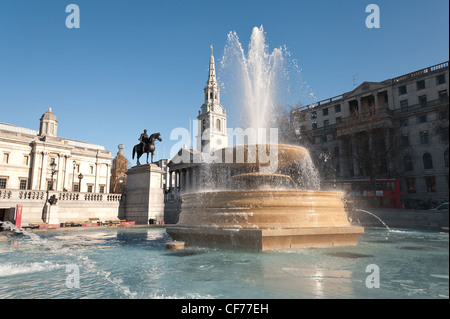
(265, 220)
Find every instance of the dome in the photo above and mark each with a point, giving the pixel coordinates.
(49, 124)
(49, 115)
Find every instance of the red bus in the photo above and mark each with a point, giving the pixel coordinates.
(387, 191)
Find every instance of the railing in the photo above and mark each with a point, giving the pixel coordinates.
(421, 72)
(29, 195)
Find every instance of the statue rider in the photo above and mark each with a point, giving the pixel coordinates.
(142, 140)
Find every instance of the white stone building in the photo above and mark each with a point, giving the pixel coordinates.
(26, 156)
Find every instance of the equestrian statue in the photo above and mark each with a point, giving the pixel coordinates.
(146, 145)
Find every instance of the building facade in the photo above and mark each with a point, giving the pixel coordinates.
(40, 160)
(394, 129)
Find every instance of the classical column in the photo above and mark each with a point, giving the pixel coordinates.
(107, 178)
(43, 177)
(59, 175)
(34, 184)
(97, 177)
(67, 169)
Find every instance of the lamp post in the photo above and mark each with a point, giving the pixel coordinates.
(54, 171)
(80, 177)
(73, 173)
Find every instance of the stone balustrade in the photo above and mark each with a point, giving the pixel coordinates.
(30, 195)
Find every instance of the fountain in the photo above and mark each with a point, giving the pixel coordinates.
(265, 195)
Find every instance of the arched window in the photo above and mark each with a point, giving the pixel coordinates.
(407, 162)
(427, 161)
(446, 158)
(218, 125)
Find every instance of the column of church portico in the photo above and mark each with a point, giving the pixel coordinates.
(187, 188)
(43, 177)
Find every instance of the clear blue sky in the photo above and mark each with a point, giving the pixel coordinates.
(143, 64)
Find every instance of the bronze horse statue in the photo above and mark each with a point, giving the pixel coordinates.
(149, 146)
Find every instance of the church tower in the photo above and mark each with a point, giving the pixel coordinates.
(212, 118)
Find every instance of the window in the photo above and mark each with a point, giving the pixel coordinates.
(404, 122)
(25, 160)
(91, 169)
(444, 134)
(408, 163)
(405, 139)
(424, 137)
(5, 158)
(3, 183)
(442, 95)
(323, 138)
(337, 108)
(423, 101)
(411, 185)
(102, 189)
(325, 111)
(23, 183)
(402, 90)
(420, 85)
(422, 119)
(431, 184)
(89, 188)
(338, 120)
(218, 124)
(314, 115)
(326, 123)
(446, 158)
(314, 126)
(427, 161)
(440, 79)
(75, 187)
(49, 185)
(404, 106)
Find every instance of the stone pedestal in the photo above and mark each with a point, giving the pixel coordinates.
(144, 194)
(51, 214)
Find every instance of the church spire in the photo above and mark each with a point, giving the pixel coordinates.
(212, 69)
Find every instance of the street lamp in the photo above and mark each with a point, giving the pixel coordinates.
(80, 177)
(54, 171)
(73, 173)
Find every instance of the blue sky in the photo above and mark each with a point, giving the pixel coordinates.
(136, 64)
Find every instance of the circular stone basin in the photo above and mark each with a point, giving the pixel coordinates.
(263, 209)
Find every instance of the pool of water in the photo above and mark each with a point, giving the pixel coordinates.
(133, 263)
